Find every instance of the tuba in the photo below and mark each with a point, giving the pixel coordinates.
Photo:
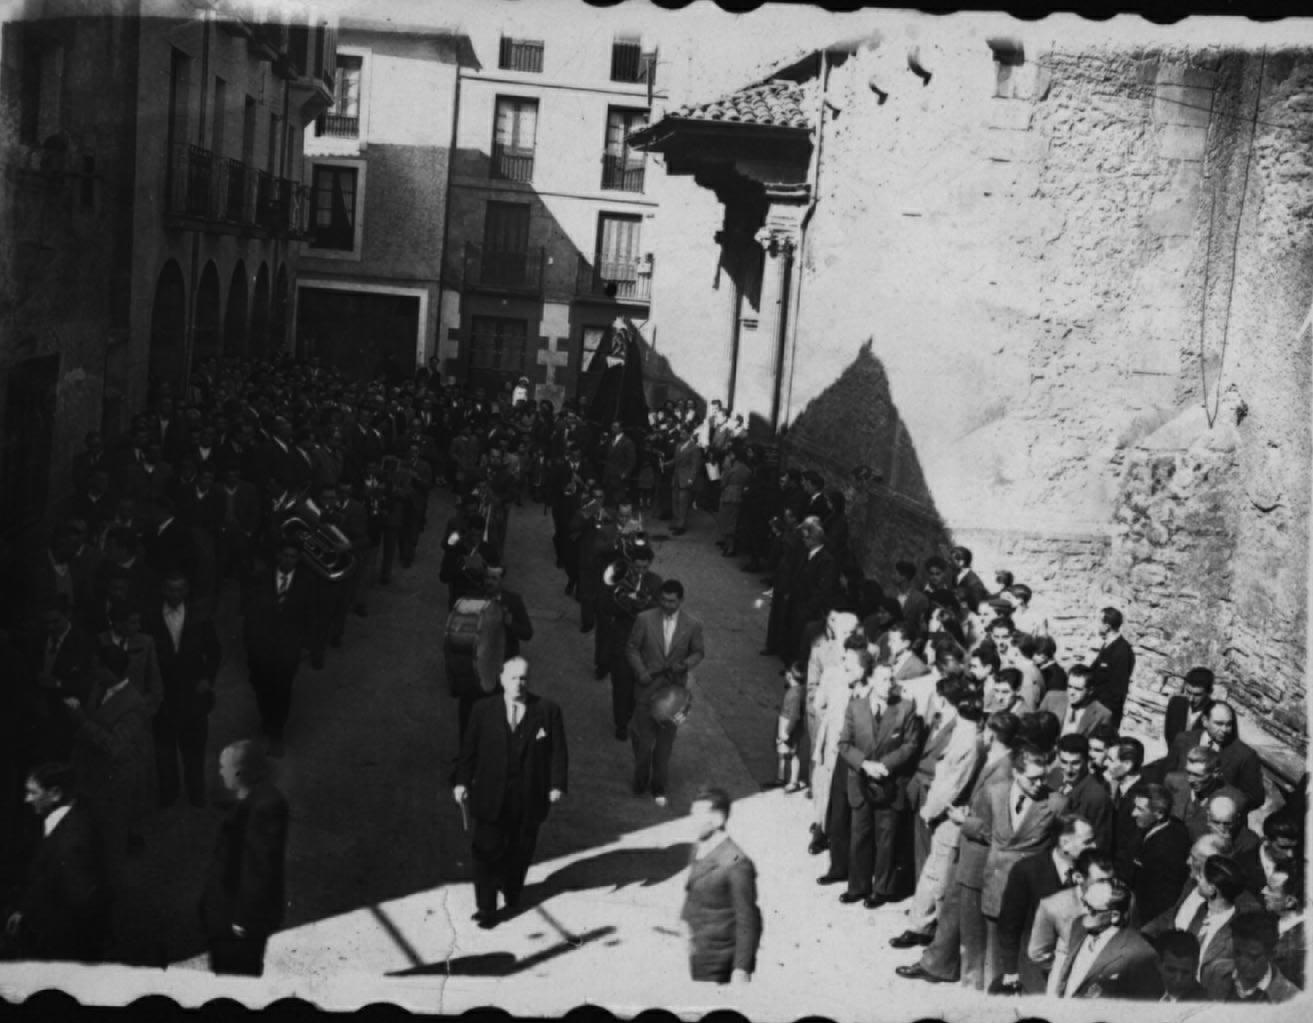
(324, 547)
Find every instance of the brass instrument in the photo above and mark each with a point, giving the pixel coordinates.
(324, 547)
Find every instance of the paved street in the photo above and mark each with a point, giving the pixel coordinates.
(378, 864)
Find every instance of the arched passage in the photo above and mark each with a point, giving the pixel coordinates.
(278, 317)
(168, 326)
(234, 319)
(207, 325)
(259, 343)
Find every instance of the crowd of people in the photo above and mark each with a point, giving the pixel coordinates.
(956, 759)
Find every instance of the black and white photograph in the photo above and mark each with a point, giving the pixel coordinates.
(524, 504)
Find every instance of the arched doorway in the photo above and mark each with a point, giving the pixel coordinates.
(168, 327)
(206, 332)
(260, 314)
(234, 320)
(278, 318)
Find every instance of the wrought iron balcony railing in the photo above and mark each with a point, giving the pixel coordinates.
(512, 163)
(225, 193)
(622, 173)
(516, 271)
(624, 281)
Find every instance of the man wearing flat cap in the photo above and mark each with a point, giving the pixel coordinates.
(720, 911)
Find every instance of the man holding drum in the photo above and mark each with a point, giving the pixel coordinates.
(664, 644)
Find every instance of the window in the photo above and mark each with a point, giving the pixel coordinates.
(622, 167)
(218, 110)
(520, 55)
(629, 63)
(275, 142)
(506, 244)
(333, 209)
(498, 345)
(513, 140)
(343, 119)
(618, 255)
(40, 89)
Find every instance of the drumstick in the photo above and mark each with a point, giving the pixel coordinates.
(464, 816)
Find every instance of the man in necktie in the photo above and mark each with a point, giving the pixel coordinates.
(512, 769)
(278, 610)
(664, 645)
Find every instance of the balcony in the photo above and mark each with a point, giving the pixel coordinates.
(625, 281)
(520, 55)
(512, 163)
(338, 126)
(227, 196)
(620, 172)
(518, 272)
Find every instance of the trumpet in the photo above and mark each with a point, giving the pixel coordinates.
(324, 547)
(624, 581)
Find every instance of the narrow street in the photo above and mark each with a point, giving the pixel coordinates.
(378, 865)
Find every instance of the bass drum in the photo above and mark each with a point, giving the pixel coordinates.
(669, 702)
(475, 647)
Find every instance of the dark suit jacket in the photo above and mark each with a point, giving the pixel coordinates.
(1091, 716)
(1111, 672)
(720, 905)
(1191, 812)
(813, 587)
(65, 904)
(195, 659)
(1030, 882)
(894, 742)
(531, 762)
(113, 753)
(170, 550)
(971, 591)
(245, 881)
(1127, 967)
(273, 631)
(1159, 868)
(1241, 766)
(1089, 798)
(1175, 719)
(620, 459)
(1125, 833)
(515, 617)
(1291, 955)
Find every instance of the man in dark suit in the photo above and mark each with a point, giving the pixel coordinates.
(720, 897)
(1113, 665)
(1257, 977)
(1030, 882)
(168, 546)
(1284, 898)
(512, 769)
(1193, 787)
(1187, 710)
(1108, 959)
(1122, 772)
(620, 459)
(1240, 765)
(1226, 818)
(881, 737)
(187, 646)
(685, 468)
(279, 614)
(636, 591)
(813, 589)
(664, 646)
(971, 592)
(1087, 794)
(64, 910)
(1157, 859)
(1178, 966)
(518, 628)
(912, 599)
(243, 901)
(62, 659)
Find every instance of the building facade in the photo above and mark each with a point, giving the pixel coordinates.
(151, 212)
(1031, 293)
(368, 282)
(549, 204)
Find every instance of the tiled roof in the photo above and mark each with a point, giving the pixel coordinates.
(773, 104)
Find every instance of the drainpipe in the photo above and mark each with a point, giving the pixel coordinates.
(799, 263)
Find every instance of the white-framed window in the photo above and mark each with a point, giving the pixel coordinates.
(344, 127)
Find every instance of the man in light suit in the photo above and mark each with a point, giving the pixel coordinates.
(940, 716)
(1050, 934)
(512, 771)
(1019, 819)
(882, 734)
(1108, 958)
(686, 465)
(959, 717)
(664, 645)
(1075, 706)
(720, 901)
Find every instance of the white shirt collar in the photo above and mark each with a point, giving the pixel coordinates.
(1262, 985)
(54, 817)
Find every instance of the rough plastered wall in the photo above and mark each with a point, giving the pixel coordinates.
(1046, 279)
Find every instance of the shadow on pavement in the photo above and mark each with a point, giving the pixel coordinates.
(502, 964)
(614, 869)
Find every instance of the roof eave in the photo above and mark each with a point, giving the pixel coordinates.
(647, 138)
